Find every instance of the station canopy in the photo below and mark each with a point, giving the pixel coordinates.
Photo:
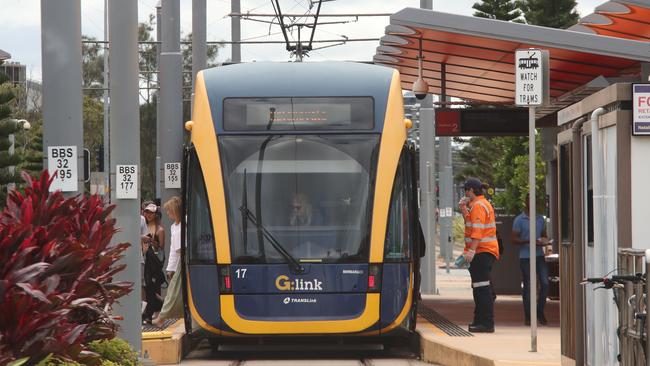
(475, 57)
(623, 19)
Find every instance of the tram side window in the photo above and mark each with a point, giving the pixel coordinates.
(399, 229)
(199, 227)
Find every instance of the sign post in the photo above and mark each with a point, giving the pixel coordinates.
(641, 109)
(531, 90)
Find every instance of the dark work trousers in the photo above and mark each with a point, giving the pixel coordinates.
(479, 270)
(542, 275)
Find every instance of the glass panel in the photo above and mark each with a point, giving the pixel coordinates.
(261, 114)
(200, 241)
(398, 231)
(566, 200)
(312, 193)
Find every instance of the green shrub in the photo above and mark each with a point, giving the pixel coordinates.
(114, 352)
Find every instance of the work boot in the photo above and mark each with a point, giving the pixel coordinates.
(541, 319)
(480, 328)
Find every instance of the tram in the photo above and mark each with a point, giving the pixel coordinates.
(300, 201)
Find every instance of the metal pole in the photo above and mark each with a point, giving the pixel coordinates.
(427, 182)
(647, 307)
(158, 111)
(235, 24)
(427, 196)
(532, 215)
(125, 149)
(62, 81)
(170, 126)
(106, 107)
(199, 47)
(446, 200)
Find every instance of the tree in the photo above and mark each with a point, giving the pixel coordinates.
(497, 9)
(8, 127)
(501, 162)
(550, 13)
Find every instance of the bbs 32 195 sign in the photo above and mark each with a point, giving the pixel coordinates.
(62, 164)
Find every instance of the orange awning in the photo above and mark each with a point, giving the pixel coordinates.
(474, 57)
(628, 19)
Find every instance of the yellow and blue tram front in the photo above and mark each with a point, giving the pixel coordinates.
(301, 216)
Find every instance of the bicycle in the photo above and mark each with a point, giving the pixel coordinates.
(632, 335)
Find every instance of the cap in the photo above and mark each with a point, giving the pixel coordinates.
(473, 183)
(151, 207)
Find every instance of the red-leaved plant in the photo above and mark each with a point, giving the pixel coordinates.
(56, 274)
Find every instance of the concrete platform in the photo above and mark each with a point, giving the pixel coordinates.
(164, 346)
(509, 345)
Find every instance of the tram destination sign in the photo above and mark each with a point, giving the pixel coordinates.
(531, 77)
(641, 109)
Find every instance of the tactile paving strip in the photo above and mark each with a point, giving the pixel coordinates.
(442, 323)
(153, 328)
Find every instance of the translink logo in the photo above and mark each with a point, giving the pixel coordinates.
(284, 283)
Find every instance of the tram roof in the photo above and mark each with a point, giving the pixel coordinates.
(313, 79)
(478, 56)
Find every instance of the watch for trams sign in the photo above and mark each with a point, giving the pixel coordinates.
(641, 109)
(531, 77)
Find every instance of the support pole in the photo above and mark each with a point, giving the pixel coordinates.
(170, 125)
(199, 47)
(532, 216)
(62, 81)
(427, 194)
(235, 24)
(106, 142)
(125, 150)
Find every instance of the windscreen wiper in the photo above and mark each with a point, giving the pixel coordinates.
(295, 265)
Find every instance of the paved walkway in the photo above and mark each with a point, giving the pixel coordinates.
(510, 344)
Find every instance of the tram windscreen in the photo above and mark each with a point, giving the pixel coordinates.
(311, 194)
(277, 114)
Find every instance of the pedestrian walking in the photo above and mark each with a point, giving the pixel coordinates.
(173, 305)
(481, 251)
(154, 256)
(521, 237)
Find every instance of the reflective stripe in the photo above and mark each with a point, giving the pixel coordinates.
(481, 226)
(481, 284)
(468, 224)
(487, 211)
(484, 240)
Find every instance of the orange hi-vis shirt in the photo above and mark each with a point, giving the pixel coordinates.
(481, 224)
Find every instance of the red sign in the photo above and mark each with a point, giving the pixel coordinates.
(447, 122)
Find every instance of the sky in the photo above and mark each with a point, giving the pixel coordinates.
(20, 26)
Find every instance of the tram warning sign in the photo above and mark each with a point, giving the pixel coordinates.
(531, 77)
(126, 181)
(62, 164)
(172, 175)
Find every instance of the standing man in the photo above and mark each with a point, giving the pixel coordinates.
(481, 251)
(521, 237)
